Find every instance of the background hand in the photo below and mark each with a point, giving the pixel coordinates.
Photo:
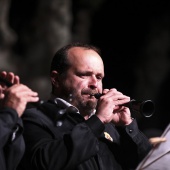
(17, 95)
(11, 78)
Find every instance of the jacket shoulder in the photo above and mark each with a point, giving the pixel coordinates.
(38, 115)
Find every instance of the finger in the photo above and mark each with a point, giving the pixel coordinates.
(33, 94)
(20, 90)
(2, 96)
(24, 89)
(121, 100)
(116, 95)
(157, 140)
(113, 93)
(105, 91)
(3, 74)
(10, 77)
(1, 92)
(16, 79)
(33, 99)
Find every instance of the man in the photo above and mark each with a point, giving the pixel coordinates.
(76, 131)
(13, 102)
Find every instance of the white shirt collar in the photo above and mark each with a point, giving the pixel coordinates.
(64, 104)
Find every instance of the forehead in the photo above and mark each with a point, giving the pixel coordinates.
(82, 58)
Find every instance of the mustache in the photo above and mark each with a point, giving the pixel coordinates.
(89, 91)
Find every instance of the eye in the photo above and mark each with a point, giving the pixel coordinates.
(99, 77)
(82, 75)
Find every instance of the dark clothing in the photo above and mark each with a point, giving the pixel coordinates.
(69, 142)
(11, 140)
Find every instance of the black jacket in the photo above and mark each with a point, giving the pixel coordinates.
(11, 140)
(68, 142)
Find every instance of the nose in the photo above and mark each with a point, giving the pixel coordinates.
(93, 82)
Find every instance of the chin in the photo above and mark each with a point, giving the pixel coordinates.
(91, 104)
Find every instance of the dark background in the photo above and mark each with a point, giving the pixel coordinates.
(134, 37)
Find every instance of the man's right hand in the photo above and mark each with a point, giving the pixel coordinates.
(109, 108)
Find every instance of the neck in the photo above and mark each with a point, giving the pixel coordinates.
(86, 117)
(87, 113)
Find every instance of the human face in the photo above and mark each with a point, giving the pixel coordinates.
(83, 78)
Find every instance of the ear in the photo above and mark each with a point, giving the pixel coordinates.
(54, 78)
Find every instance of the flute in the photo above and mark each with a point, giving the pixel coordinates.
(9, 84)
(146, 108)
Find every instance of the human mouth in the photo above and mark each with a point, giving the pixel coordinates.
(90, 93)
